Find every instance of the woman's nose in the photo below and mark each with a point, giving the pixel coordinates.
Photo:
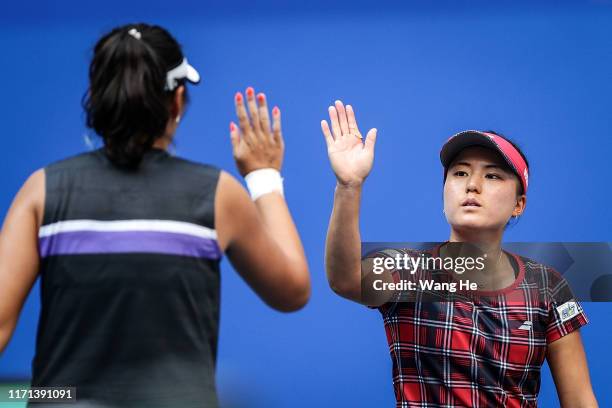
(473, 184)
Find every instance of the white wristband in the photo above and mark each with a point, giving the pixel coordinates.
(264, 181)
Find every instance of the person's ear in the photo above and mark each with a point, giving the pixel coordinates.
(178, 103)
(521, 203)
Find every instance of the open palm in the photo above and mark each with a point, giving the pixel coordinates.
(256, 143)
(350, 158)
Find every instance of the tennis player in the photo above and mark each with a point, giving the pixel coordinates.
(486, 351)
(127, 239)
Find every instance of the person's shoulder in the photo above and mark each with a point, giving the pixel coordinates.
(538, 270)
(549, 281)
(74, 161)
(192, 165)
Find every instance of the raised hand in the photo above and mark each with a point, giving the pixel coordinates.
(350, 158)
(256, 145)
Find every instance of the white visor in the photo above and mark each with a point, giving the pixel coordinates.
(182, 71)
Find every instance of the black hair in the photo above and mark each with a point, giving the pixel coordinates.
(126, 103)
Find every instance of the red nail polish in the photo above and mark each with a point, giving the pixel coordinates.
(232, 126)
(275, 111)
(250, 92)
(238, 97)
(261, 98)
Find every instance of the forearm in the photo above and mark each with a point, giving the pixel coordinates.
(343, 245)
(278, 221)
(6, 331)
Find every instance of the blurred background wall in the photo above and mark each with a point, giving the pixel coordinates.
(540, 72)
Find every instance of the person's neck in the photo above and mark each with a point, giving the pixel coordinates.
(483, 242)
(162, 143)
(487, 240)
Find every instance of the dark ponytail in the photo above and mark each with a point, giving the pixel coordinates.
(126, 103)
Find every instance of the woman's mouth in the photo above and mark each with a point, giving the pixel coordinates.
(471, 202)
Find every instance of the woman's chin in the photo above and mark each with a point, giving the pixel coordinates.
(472, 224)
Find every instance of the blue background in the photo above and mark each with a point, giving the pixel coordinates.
(538, 72)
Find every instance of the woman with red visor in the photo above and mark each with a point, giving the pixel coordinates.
(484, 351)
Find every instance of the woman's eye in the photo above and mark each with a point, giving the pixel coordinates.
(460, 173)
(493, 176)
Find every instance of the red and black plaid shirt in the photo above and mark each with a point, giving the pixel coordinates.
(486, 352)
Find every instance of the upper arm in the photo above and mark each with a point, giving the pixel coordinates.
(371, 290)
(374, 291)
(237, 221)
(19, 258)
(252, 250)
(568, 365)
(565, 353)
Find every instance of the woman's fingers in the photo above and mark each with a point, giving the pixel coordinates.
(329, 139)
(352, 122)
(264, 115)
(252, 104)
(342, 117)
(243, 118)
(234, 136)
(277, 131)
(333, 117)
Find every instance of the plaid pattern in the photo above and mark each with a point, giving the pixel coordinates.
(485, 352)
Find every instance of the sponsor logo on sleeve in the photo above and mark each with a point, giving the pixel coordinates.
(567, 310)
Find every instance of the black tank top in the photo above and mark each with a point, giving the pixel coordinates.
(129, 282)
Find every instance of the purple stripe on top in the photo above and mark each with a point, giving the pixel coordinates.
(103, 242)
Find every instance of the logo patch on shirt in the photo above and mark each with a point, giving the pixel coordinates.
(567, 310)
(526, 325)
